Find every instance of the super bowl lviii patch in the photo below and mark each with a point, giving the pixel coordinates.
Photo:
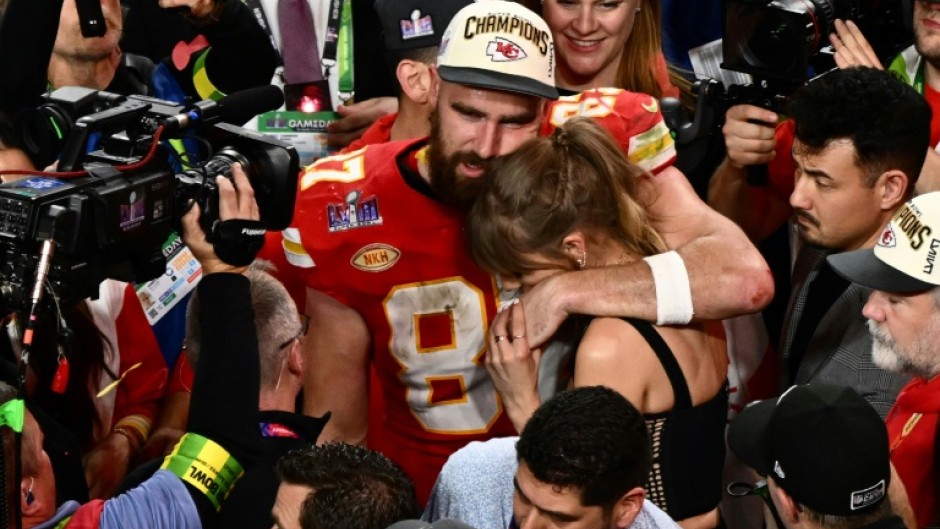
(355, 212)
(417, 26)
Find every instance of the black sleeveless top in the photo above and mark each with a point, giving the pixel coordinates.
(688, 442)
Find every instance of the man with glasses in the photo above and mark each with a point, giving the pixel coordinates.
(824, 452)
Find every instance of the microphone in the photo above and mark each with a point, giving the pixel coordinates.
(240, 107)
(235, 109)
(90, 18)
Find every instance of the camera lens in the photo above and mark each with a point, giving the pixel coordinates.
(43, 131)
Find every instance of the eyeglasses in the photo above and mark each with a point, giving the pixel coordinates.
(740, 489)
(304, 324)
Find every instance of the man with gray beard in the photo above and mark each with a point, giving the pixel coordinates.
(903, 315)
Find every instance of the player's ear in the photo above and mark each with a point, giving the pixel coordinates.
(434, 85)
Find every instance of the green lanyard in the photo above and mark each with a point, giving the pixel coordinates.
(919, 78)
(338, 53)
(345, 54)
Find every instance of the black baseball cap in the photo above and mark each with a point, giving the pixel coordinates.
(410, 24)
(822, 444)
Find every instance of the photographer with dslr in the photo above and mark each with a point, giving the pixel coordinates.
(223, 438)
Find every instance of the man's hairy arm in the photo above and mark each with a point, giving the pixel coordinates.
(753, 209)
(727, 274)
(750, 142)
(337, 372)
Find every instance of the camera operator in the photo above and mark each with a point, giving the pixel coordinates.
(222, 439)
(752, 139)
(41, 45)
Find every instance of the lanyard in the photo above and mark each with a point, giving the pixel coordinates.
(332, 35)
(919, 77)
(337, 46)
(258, 11)
(346, 76)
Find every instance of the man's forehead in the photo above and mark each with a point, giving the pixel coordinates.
(490, 94)
(530, 486)
(918, 296)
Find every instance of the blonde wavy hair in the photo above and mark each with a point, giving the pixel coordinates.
(576, 179)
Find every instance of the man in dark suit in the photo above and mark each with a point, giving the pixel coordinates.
(860, 140)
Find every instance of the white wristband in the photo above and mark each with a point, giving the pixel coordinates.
(673, 293)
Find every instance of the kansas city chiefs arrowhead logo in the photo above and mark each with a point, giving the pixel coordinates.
(504, 50)
(887, 239)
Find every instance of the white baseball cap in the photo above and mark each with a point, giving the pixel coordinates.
(499, 44)
(905, 257)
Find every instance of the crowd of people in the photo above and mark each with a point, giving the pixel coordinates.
(499, 303)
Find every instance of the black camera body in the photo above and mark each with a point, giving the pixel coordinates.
(782, 45)
(113, 222)
(787, 41)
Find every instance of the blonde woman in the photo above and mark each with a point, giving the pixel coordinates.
(567, 202)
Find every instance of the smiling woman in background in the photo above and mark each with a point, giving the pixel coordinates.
(608, 43)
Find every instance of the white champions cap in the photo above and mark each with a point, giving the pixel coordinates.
(499, 44)
(905, 257)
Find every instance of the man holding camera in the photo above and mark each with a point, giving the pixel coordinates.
(223, 437)
(751, 138)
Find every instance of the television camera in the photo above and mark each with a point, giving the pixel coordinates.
(120, 191)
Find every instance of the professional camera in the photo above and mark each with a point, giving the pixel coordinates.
(787, 41)
(782, 45)
(121, 190)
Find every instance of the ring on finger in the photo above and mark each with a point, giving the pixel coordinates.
(500, 337)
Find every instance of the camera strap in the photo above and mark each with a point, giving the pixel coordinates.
(238, 241)
(337, 45)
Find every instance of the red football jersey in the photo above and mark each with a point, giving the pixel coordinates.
(633, 120)
(400, 258)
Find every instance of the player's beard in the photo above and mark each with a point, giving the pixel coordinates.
(452, 188)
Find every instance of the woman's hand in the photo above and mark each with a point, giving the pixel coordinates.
(512, 365)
